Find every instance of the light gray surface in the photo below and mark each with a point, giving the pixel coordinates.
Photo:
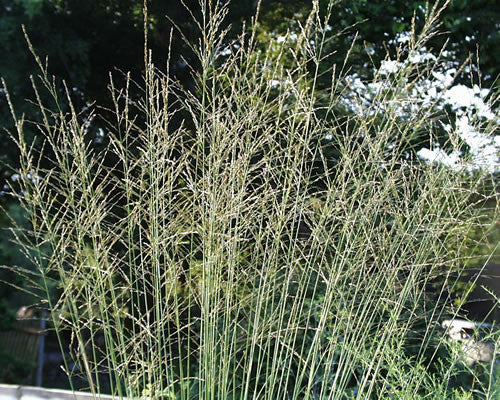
(15, 392)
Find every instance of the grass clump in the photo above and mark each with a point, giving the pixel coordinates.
(243, 241)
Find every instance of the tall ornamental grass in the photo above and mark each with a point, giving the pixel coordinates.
(243, 240)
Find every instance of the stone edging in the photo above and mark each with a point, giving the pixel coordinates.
(16, 392)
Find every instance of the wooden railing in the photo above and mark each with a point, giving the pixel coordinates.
(22, 342)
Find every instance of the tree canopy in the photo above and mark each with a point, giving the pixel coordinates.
(84, 41)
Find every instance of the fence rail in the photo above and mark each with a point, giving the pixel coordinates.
(22, 340)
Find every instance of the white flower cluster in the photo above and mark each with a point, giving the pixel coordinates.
(435, 91)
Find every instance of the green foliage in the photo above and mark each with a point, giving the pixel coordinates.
(14, 371)
(10, 254)
(227, 237)
(235, 239)
(31, 7)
